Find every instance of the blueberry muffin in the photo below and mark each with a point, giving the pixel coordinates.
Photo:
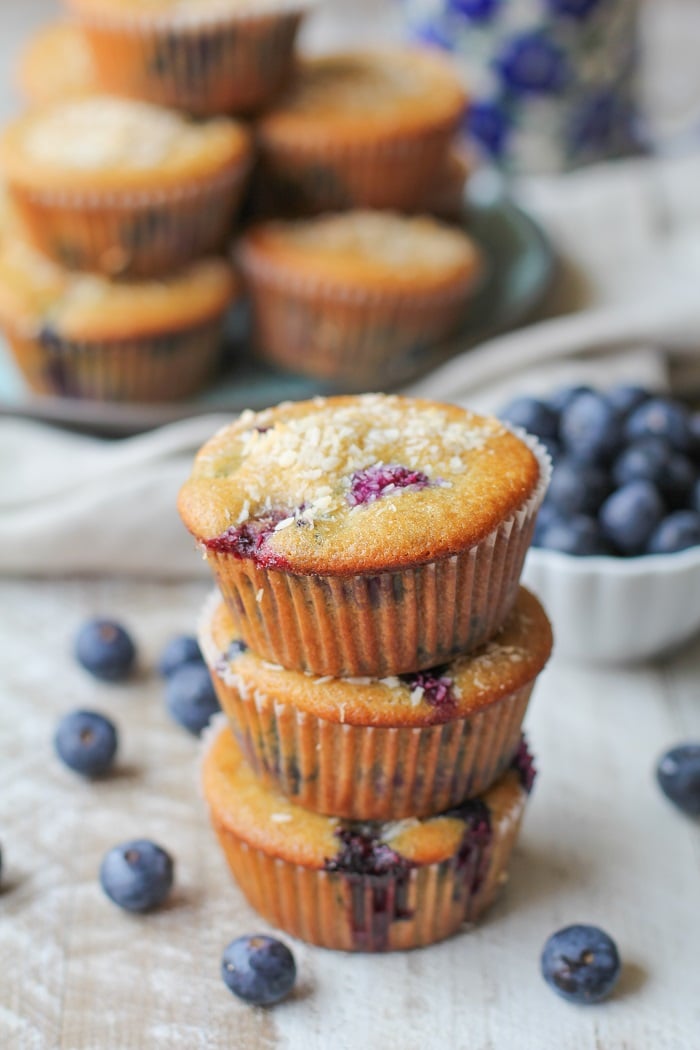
(124, 187)
(380, 749)
(361, 129)
(204, 56)
(363, 887)
(366, 535)
(84, 336)
(357, 299)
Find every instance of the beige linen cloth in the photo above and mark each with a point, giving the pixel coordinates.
(629, 240)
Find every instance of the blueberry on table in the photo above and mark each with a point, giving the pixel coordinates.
(678, 774)
(677, 532)
(258, 969)
(590, 428)
(577, 488)
(663, 418)
(630, 515)
(532, 415)
(580, 535)
(105, 649)
(581, 963)
(86, 742)
(190, 697)
(137, 875)
(181, 650)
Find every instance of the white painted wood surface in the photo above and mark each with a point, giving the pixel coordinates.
(599, 845)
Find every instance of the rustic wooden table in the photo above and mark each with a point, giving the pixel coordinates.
(600, 844)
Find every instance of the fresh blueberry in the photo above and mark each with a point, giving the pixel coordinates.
(86, 742)
(258, 969)
(489, 124)
(532, 415)
(643, 460)
(694, 428)
(190, 697)
(678, 480)
(137, 875)
(580, 535)
(695, 496)
(546, 516)
(678, 774)
(577, 488)
(581, 963)
(564, 395)
(105, 649)
(677, 532)
(664, 418)
(590, 428)
(179, 651)
(625, 397)
(630, 515)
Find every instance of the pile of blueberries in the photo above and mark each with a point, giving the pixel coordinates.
(626, 478)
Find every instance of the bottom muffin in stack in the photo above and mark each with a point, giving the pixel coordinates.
(363, 887)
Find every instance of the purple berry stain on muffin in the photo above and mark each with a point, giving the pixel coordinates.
(436, 688)
(249, 540)
(378, 879)
(369, 485)
(472, 856)
(524, 765)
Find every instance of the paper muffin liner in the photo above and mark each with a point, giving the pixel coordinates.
(374, 913)
(351, 337)
(307, 178)
(145, 234)
(204, 65)
(362, 772)
(382, 623)
(161, 367)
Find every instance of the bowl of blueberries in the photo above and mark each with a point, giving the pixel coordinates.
(616, 551)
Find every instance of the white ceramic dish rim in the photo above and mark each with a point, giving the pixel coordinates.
(609, 565)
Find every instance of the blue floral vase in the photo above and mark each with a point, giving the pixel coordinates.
(553, 82)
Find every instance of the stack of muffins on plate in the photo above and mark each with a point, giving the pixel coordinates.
(114, 285)
(154, 126)
(374, 655)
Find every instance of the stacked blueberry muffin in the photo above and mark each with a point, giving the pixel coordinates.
(374, 654)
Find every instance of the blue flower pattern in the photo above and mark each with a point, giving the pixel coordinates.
(575, 58)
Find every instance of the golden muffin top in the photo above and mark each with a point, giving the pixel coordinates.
(510, 661)
(56, 63)
(372, 249)
(103, 142)
(349, 485)
(357, 95)
(268, 821)
(36, 293)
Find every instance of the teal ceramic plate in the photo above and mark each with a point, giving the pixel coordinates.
(519, 268)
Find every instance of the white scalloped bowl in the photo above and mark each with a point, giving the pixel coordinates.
(617, 610)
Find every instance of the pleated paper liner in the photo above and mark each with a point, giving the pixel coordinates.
(356, 339)
(236, 62)
(162, 367)
(380, 750)
(368, 888)
(145, 234)
(385, 623)
(308, 178)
